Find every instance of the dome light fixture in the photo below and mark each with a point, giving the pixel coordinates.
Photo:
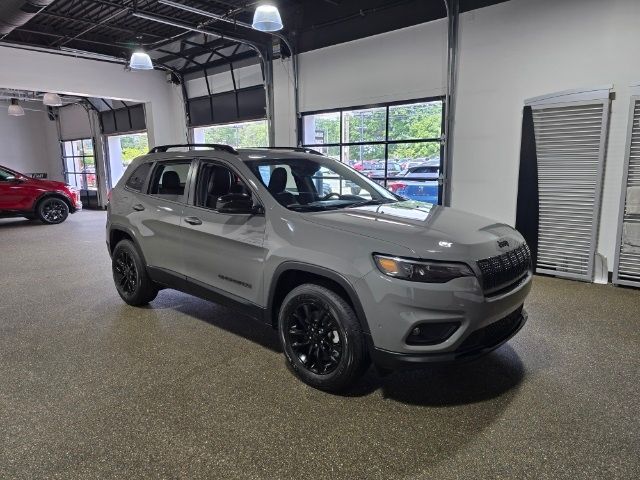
(15, 110)
(52, 100)
(267, 19)
(140, 60)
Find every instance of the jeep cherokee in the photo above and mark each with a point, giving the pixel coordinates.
(344, 278)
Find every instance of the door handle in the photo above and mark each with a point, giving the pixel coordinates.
(138, 207)
(193, 220)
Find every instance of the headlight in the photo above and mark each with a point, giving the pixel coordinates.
(421, 271)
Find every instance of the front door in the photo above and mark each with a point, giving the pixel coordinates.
(223, 251)
(14, 193)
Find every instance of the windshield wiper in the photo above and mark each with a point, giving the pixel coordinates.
(306, 208)
(369, 202)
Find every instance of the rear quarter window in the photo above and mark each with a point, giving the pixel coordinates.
(138, 177)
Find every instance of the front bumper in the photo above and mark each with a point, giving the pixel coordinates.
(394, 308)
(488, 341)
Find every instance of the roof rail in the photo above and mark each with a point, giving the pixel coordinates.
(213, 146)
(293, 149)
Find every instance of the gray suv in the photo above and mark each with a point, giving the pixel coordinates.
(345, 278)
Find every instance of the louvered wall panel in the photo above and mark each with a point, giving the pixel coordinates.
(569, 149)
(627, 264)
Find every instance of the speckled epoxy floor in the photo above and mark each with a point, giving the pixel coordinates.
(92, 388)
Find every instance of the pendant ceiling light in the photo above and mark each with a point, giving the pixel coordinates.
(52, 100)
(140, 60)
(15, 110)
(267, 19)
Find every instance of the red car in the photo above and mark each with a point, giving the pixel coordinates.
(49, 201)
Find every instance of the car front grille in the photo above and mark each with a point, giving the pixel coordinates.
(503, 270)
(493, 333)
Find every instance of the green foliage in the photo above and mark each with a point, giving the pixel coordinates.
(239, 135)
(133, 146)
(406, 122)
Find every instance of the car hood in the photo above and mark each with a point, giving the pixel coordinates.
(431, 231)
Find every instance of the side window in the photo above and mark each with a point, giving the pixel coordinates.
(137, 178)
(215, 181)
(169, 179)
(280, 181)
(5, 176)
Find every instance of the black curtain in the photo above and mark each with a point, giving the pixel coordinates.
(527, 211)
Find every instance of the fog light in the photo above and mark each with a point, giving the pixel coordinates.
(429, 333)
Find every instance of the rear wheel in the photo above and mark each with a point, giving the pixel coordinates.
(321, 338)
(130, 275)
(52, 210)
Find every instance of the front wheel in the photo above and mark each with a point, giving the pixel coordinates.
(130, 275)
(52, 210)
(321, 338)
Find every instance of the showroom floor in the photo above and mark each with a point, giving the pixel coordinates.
(90, 387)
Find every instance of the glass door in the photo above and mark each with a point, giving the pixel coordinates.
(79, 164)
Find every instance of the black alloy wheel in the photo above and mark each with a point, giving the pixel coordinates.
(53, 210)
(130, 276)
(125, 273)
(321, 338)
(315, 337)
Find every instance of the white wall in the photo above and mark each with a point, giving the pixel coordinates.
(521, 49)
(399, 65)
(39, 71)
(29, 143)
(508, 52)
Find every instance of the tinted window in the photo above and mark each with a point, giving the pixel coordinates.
(5, 176)
(169, 180)
(137, 178)
(215, 181)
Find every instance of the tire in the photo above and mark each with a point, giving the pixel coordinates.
(130, 275)
(311, 313)
(52, 210)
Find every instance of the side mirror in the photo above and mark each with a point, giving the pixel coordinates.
(236, 203)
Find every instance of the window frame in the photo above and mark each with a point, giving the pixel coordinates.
(146, 190)
(193, 183)
(386, 142)
(68, 173)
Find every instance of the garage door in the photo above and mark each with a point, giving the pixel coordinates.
(570, 143)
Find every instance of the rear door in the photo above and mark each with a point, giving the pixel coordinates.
(156, 214)
(223, 252)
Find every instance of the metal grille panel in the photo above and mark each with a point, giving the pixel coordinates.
(570, 153)
(627, 265)
(503, 270)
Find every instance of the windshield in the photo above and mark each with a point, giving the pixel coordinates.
(317, 184)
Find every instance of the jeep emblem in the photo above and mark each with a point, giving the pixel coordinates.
(503, 244)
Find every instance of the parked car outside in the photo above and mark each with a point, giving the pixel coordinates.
(46, 200)
(423, 191)
(428, 170)
(344, 279)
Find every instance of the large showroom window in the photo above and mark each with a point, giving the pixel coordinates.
(397, 144)
(238, 135)
(122, 150)
(79, 164)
